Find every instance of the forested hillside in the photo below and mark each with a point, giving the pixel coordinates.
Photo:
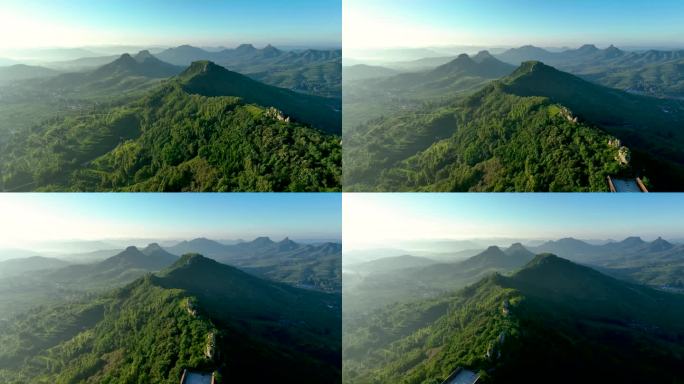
(184, 136)
(537, 129)
(198, 314)
(551, 321)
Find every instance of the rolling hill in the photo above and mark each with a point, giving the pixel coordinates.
(20, 72)
(197, 314)
(571, 322)
(504, 137)
(20, 266)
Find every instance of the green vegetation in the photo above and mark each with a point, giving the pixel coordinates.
(493, 141)
(198, 314)
(551, 321)
(536, 130)
(173, 141)
(121, 127)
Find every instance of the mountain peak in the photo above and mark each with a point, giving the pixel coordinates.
(588, 48)
(152, 247)
(493, 248)
(516, 247)
(660, 244)
(245, 48)
(144, 55)
(546, 259)
(200, 67)
(131, 248)
(190, 259)
(262, 240)
(482, 55)
(633, 240)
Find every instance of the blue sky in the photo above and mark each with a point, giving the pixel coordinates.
(91, 216)
(200, 22)
(514, 22)
(380, 220)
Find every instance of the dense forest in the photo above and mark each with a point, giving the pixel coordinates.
(174, 139)
(537, 129)
(551, 321)
(197, 314)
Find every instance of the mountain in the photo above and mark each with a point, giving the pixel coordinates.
(127, 74)
(142, 64)
(459, 74)
(116, 270)
(20, 266)
(204, 246)
(208, 79)
(517, 56)
(451, 148)
(199, 131)
(197, 315)
(317, 72)
(364, 72)
(22, 72)
(387, 96)
(374, 287)
(571, 322)
(652, 72)
(313, 266)
(569, 248)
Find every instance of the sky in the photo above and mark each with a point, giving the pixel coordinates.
(556, 23)
(73, 23)
(29, 219)
(384, 220)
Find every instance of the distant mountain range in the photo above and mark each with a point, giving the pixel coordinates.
(550, 321)
(311, 266)
(196, 314)
(651, 72)
(387, 280)
(311, 71)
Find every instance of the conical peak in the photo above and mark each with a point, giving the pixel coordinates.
(546, 259)
(153, 246)
(245, 47)
(263, 240)
(588, 48)
(201, 66)
(633, 240)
